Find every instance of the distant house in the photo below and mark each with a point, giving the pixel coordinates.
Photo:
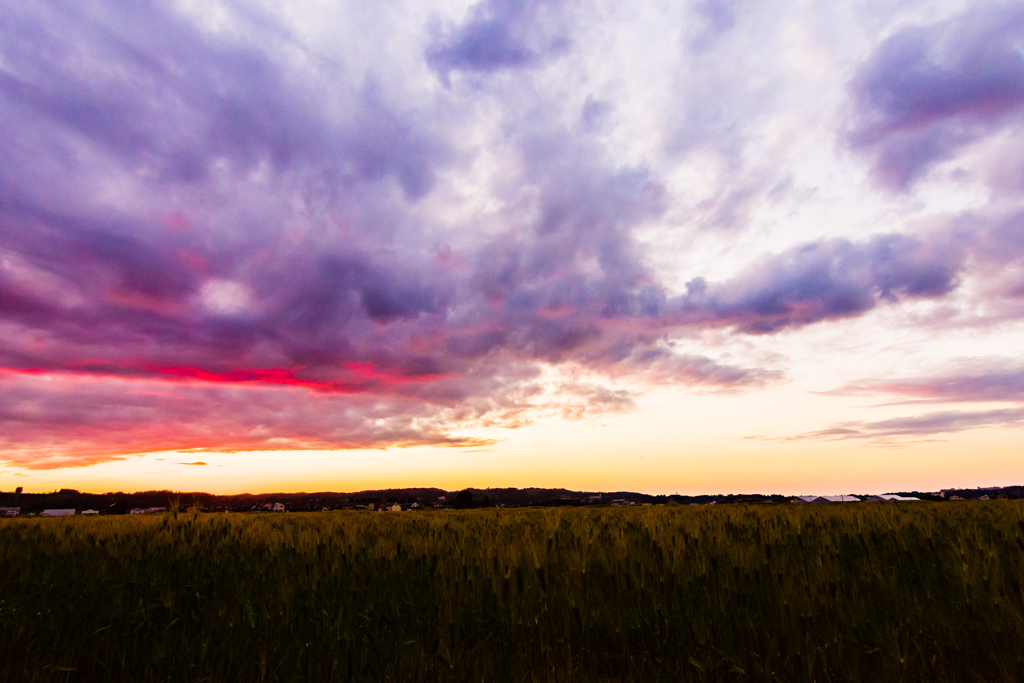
(836, 499)
(955, 498)
(395, 508)
(90, 512)
(144, 511)
(414, 506)
(888, 497)
(60, 512)
(984, 497)
(803, 499)
(10, 512)
(277, 507)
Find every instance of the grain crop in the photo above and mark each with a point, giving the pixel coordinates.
(849, 592)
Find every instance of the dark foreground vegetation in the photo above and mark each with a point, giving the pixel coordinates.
(866, 592)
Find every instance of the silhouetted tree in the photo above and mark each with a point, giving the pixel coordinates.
(464, 500)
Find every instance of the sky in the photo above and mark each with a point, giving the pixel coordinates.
(694, 247)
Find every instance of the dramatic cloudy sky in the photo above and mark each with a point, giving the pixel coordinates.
(698, 246)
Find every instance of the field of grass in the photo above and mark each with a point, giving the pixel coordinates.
(855, 592)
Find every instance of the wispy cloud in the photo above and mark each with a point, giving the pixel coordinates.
(916, 427)
(977, 381)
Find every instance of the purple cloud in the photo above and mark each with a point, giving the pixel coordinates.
(715, 17)
(976, 381)
(930, 424)
(926, 91)
(180, 101)
(500, 34)
(268, 282)
(215, 243)
(824, 280)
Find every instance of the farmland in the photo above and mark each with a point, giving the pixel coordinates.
(857, 592)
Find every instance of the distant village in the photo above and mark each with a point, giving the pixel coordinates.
(69, 502)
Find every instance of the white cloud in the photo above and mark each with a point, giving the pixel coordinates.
(224, 297)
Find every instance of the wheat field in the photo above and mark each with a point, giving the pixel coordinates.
(856, 592)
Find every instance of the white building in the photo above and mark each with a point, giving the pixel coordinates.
(278, 507)
(60, 512)
(136, 511)
(889, 497)
(90, 512)
(10, 512)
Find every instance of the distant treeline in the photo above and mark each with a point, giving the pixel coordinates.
(122, 503)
